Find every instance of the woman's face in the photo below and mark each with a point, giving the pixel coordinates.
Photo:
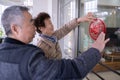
(48, 29)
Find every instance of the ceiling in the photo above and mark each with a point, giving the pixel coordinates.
(11, 2)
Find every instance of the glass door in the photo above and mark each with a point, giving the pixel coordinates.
(109, 12)
(67, 13)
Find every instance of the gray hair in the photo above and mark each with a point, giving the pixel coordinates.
(13, 14)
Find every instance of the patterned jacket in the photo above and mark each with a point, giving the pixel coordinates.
(52, 50)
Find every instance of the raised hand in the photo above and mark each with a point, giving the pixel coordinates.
(87, 18)
(100, 42)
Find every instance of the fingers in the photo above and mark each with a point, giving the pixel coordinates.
(90, 19)
(107, 40)
(90, 16)
(101, 36)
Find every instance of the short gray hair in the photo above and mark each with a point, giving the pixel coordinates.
(13, 14)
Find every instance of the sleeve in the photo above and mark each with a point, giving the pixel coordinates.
(64, 30)
(78, 68)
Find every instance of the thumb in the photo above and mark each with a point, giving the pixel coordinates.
(107, 40)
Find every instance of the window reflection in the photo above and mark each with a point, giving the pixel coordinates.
(68, 7)
(108, 11)
(90, 6)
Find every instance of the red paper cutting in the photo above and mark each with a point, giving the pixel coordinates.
(96, 27)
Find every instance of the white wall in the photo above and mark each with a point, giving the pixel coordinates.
(49, 6)
(40, 6)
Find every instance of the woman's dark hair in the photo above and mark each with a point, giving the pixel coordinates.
(39, 20)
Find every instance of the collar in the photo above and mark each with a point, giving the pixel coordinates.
(13, 41)
(50, 38)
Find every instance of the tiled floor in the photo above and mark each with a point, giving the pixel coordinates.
(106, 75)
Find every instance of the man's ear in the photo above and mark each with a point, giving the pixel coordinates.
(14, 29)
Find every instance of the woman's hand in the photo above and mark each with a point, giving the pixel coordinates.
(88, 18)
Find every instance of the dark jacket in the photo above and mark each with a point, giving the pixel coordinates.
(41, 68)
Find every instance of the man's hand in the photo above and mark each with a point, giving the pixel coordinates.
(100, 42)
(88, 18)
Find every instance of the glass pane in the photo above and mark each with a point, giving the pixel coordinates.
(69, 14)
(65, 2)
(107, 10)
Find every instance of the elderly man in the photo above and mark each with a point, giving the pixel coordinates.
(22, 61)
